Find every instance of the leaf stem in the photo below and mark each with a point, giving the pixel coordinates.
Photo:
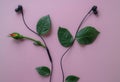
(29, 38)
(46, 47)
(35, 41)
(61, 60)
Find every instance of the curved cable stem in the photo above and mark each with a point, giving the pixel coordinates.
(82, 22)
(61, 60)
(61, 63)
(46, 47)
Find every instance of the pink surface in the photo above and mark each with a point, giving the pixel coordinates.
(98, 62)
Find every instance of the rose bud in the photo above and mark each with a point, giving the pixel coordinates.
(16, 35)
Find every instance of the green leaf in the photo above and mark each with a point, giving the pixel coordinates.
(38, 43)
(72, 78)
(87, 35)
(65, 37)
(43, 26)
(44, 71)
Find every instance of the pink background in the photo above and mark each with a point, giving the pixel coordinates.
(98, 62)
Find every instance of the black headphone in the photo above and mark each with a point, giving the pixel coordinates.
(94, 9)
(19, 9)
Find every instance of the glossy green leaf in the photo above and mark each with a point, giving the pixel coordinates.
(72, 78)
(44, 71)
(43, 26)
(87, 35)
(65, 37)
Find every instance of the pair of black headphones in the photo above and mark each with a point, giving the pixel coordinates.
(19, 9)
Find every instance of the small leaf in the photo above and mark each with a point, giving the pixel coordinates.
(38, 43)
(43, 26)
(72, 78)
(44, 71)
(87, 35)
(65, 37)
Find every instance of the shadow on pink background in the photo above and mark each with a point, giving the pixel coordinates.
(98, 62)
